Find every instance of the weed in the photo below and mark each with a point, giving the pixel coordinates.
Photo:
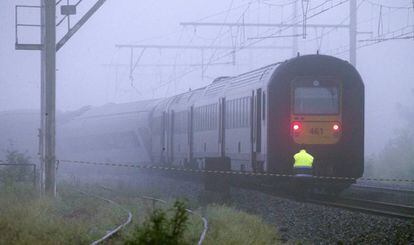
(158, 228)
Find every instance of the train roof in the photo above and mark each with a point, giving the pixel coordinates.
(252, 78)
(110, 109)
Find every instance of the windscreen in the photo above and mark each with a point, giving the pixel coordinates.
(316, 98)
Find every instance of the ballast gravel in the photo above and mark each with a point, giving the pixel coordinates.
(293, 220)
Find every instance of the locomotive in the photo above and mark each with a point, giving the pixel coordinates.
(258, 120)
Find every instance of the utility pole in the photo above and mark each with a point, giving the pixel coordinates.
(49, 98)
(42, 95)
(48, 48)
(352, 31)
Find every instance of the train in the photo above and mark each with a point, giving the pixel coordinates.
(258, 120)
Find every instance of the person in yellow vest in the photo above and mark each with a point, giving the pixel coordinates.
(303, 165)
(303, 171)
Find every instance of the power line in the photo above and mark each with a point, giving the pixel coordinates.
(382, 38)
(196, 47)
(236, 24)
(296, 23)
(215, 58)
(259, 40)
(388, 6)
(281, 5)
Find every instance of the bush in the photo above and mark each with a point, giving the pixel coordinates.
(396, 159)
(158, 228)
(10, 174)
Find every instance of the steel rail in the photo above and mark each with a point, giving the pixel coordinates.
(382, 188)
(154, 200)
(362, 205)
(367, 206)
(116, 229)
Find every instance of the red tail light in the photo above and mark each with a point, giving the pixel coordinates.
(296, 127)
(336, 127)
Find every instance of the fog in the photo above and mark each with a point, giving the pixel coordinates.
(92, 71)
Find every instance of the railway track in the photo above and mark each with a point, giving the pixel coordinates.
(383, 189)
(366, 206)
(383, 208)
(118, 228)
(157, 200)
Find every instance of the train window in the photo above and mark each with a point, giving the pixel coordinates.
(316, 100)
(205, 117)
(237, 113)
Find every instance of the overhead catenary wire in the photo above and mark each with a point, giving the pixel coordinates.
(402, 35)
(313, 11)
(237, 49)
(214, 57)
(259, 40)
(281, 30)
(390, 6)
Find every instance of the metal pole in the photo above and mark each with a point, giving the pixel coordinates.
(49, 97)
(352, 31)
(295, 31)
(34, 175)
(42, 104)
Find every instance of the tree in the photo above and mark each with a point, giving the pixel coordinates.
(10, 173)
(397, 158)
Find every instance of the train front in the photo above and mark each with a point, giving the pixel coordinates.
(316, 102)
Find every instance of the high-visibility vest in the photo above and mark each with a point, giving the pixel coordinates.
(303, 159)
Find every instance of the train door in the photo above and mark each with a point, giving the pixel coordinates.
(256, 129)
(190, 132)
(163, 134)
(258, 120)
(170, 146)
(222, 127)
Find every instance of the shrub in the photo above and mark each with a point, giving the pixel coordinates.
(158, 228)
(10, 174)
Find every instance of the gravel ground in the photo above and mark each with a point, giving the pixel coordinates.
(382, 195)
(295, 221)
(388, 184)
(323, 225)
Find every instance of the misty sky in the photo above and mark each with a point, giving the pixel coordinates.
(87, 73)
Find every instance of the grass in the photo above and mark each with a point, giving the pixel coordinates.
(73, 218)
(227, 225)
(231, 226)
